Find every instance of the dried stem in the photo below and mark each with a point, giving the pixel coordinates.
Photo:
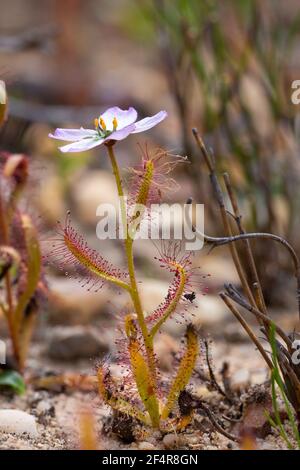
(220, 199)
(258, 307)
(247, 328)
(212, 376)
(238, 219)
(219, 241)
(216, 424)
(230, 292)
(229, 239)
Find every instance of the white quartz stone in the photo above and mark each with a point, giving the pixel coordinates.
(17, 422)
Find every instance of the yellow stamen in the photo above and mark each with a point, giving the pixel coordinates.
(102, 124)
(115, 123)
(96, 123)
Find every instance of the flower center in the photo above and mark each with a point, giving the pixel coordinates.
(100, 126)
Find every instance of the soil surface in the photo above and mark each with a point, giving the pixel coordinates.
(58, 411)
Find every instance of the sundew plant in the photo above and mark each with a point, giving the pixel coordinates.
(141, 394)
(20, 259)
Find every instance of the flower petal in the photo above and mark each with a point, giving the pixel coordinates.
(122, 133)
(73, 134)
(81, 145)
(148, 122)
(124, 117)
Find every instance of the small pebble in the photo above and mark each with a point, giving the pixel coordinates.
(146, 446)
(18, 422)
(71, 343)
(45, 408)
(193, 440)
(171, 441)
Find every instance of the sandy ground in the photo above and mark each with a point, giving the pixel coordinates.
(58, 412)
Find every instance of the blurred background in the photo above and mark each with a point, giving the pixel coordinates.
(224, 67)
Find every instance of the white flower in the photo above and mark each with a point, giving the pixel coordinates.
(113, 124)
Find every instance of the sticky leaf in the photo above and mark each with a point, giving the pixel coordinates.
(144, 381)
(118, 403)
(165, 310)
(184, 372)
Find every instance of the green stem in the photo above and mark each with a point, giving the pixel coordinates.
(148, 341)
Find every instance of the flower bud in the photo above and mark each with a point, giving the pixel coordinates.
(3, 102)
(16, 167)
